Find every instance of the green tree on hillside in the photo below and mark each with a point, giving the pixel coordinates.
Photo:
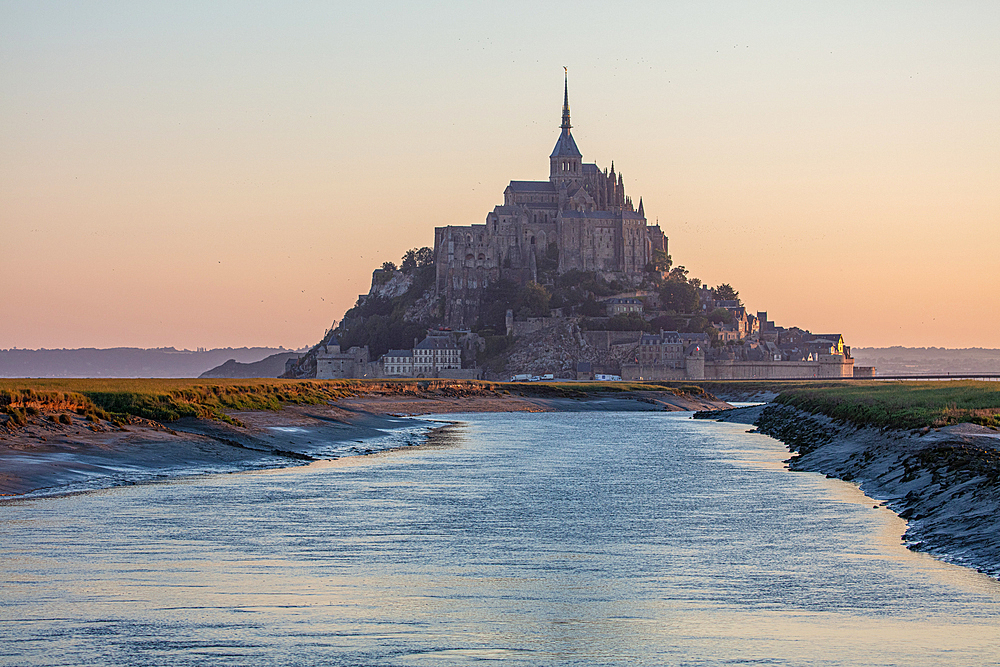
(667, 323)
(720, 315)
(532, 300)
(680, 297)
(591, 307)
(628, 322)
(725, 292)
(678, 274)
(417, 258)
(660, 261)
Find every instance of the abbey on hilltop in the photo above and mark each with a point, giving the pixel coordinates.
(580, 217)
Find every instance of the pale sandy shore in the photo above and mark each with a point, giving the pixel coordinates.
(44, 458)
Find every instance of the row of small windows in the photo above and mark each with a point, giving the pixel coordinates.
(568, 165)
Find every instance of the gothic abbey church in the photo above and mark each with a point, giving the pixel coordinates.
(581, 212)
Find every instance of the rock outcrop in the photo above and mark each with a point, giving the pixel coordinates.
(557, 347)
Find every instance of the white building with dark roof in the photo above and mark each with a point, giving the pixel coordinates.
(435, 353)
(397, 363)
(619, 306)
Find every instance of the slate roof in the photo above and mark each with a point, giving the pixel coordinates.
(660, 338)
(436, 343)
(566, 146)
(398, 353)
(532, 186)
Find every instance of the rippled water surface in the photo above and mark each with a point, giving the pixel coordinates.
(528, 539)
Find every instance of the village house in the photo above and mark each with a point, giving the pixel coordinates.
(437, 355)
(618, 306)
(397, 363)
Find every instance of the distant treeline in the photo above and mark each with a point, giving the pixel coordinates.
(123, 362)
(927, 360)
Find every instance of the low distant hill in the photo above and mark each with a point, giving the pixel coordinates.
(271, 367)
(124, 362)
(927, 360)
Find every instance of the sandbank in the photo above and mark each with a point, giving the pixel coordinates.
(48, 458)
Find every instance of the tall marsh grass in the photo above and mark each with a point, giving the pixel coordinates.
(162, 400)
(860, 402)
(901, 405)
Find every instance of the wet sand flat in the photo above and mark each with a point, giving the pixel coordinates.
(47, 455)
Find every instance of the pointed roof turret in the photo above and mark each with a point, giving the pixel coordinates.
(641, 212)
(566, 146)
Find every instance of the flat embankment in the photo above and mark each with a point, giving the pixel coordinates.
(59, 432)
(900, 405)
(930, 451)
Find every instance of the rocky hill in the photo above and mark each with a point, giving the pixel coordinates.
(270, 367)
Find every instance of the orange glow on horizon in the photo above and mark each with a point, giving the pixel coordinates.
(227, 176)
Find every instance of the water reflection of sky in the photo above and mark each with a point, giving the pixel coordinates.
(594, 538)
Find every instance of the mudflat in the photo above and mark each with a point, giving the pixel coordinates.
(45, 456)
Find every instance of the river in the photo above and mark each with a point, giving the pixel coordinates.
(598, 538)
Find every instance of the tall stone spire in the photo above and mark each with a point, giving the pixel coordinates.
(565, 116)
(566, 161)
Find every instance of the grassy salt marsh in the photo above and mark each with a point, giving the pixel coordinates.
(900, 405)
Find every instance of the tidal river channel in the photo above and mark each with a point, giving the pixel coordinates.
(529, 539)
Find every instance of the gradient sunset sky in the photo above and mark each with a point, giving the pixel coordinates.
(229, 173)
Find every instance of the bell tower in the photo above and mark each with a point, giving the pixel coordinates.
(566, 161)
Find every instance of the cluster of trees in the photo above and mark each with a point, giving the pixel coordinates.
(681, 301)
(414, 258)
(658, 265)
(575, 292)
(725, 292)
(531, 300)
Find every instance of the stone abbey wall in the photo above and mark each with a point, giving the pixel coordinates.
(833, 367)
